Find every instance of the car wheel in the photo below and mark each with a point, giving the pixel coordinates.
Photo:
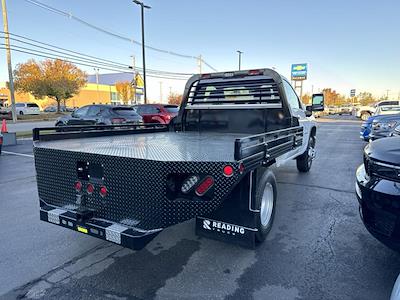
(365, 115)
(265, 200)
(304, 161)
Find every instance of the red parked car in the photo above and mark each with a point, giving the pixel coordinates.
(157, 113)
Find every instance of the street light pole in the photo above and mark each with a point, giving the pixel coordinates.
(143, 6)
(97, 84)
(240, 59)
(8, 53)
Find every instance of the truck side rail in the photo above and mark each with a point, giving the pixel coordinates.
(74, 132)
(268, 146)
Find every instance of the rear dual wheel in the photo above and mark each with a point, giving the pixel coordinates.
(265, 200)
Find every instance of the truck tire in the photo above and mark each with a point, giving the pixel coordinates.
(365, 115)
(265, 200)
(304, 161)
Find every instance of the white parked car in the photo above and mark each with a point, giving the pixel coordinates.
(23, 108)
(364, 112)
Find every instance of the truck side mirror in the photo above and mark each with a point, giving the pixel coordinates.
(317, 103)
(308, 111)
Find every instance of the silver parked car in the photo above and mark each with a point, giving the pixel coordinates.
(23, 108)
(384, 126)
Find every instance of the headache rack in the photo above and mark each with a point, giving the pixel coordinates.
(219, 93)
(266, 147)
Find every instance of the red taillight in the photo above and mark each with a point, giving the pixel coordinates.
(118, 120)
(255, 72)
(204, 186)
(78, 186)
(103, 191)
(228, 171)
(90, 188)
(206, 76)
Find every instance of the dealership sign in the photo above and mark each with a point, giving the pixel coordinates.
(299, 72)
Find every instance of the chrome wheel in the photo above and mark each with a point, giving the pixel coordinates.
(365, 116)
(311, 155)
(267, 204)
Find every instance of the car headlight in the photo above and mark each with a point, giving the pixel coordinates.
(384, 125)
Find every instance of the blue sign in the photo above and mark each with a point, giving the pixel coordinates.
(299, 72)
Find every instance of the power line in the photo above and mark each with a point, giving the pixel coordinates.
(56, 47)
(110, 33)
(44, 55)
(82, 56)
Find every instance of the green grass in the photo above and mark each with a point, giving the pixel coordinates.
(24, 134)
(41, 117)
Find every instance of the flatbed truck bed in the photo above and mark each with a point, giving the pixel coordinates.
(159, 146)
(126, 183)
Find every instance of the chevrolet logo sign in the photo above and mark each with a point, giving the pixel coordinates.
(299, 68)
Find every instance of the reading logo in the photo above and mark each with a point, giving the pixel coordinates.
(223, 227)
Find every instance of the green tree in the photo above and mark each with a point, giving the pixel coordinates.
(366, 98)
(56, 79)
(306, 99)
(125, 90)
(175, 98)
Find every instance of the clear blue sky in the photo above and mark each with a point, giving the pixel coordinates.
(347, 43)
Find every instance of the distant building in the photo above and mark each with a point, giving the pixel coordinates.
(101, 92)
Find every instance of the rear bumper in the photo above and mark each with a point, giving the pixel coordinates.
(120, 234)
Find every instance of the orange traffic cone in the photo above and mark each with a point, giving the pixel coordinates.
(4, 126)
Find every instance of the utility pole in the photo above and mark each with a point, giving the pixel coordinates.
(199, 63)
(142, 7)
(387, 94)
(134, 78)
(8, 53)
(240, 58)
(97, 83)
(160, 91)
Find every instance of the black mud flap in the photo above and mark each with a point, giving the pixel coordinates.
(226, 232)
(84, 222)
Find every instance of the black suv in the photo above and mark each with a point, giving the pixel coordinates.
(101, 115)
(378, 190)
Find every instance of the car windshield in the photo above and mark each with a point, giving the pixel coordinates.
(125, 111)
(172, 108)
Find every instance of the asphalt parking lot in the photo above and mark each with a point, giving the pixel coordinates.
(317, 249)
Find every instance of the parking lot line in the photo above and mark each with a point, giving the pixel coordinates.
(18, 154)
